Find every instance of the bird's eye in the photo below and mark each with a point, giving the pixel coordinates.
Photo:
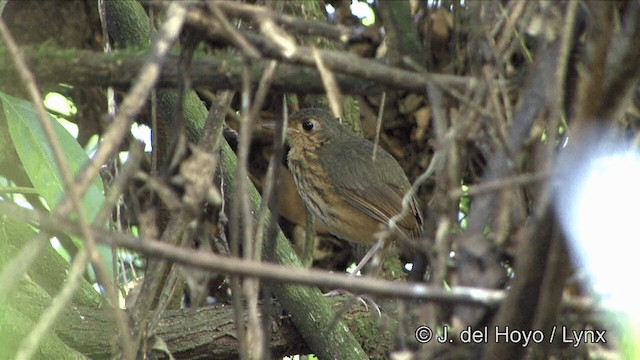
(307, 125)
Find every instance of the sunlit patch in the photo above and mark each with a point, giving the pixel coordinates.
(142, 133)
(330, 9)
(92, 145)
(55, 243)
(363, 11)
(408, 267)
(69, 126)
(597, 206)
(123, 156)
(59, 103)
(352, 268)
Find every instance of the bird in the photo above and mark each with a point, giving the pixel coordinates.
(351, 193)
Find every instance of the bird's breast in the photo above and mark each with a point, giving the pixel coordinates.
(320, 197)
(312, 183)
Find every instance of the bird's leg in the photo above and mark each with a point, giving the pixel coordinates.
(374, 249)
(366, 300)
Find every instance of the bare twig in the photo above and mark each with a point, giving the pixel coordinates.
(446, 178)
(334, 95)
(500, 184)
(533, 253)
(117, 187)
(232, 33)
(309, 277)
(261, 94)
(294, 24)
(240, 220)
(252, 285)
(130, 106)
(242, 267)
(137, 96)
(383, 99)
(268, 200)
(338, 62)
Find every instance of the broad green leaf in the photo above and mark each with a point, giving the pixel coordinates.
(37, 158)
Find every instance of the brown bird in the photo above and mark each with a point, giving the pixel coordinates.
(349, 192)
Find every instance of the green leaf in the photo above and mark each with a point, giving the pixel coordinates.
(37, 158)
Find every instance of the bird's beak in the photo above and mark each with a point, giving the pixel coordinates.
(271, 126)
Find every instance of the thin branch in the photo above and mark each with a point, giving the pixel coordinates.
(240, 219)
(242, 267)
(261, 95)
(233, 34)
(383, 100)
(273, 272)
(131, 105)
(251, 285)
(336, 32)
(269, 219)
(497, 185)
(332, 90)
(136, 152)
(137, 96)
(336, 61)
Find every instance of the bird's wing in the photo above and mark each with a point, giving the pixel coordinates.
(383, 204)
(378, 190)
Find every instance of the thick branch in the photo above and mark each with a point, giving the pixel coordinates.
(189, 333)
(119, 68)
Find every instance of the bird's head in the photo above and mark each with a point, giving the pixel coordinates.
(312, 128)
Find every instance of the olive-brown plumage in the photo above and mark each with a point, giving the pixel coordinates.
(349, 192)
